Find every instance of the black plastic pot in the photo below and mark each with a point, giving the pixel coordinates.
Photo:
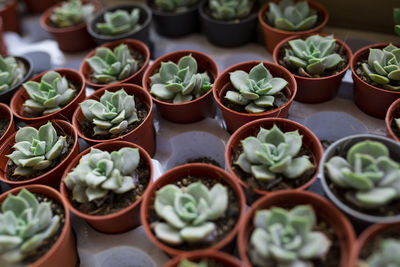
(226, 33)
(173, 24)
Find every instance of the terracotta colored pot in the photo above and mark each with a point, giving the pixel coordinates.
(52, 177)
(390, 116)
(3, 47)
(5, 112)
(316, 90)
(221, 258)
(365, 93)
(191, 111)
(143, 135)
(36, 6)
(70, 39)
(123, 220)
(65, 113)
(234, 119)
(63, 252)
(273, 35)
(136, 78)
(9, 14)
(196, 170)
(288, 199)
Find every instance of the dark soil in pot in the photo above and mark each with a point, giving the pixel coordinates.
(361, 74)
(4, 123)
(374, 243)
(203, 160)
(326, 143)
(224, 225)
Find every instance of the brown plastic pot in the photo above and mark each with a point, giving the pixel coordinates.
(52, 177)
(273, 35)
(288, 199)
(36, 6)
(220, 257)
(316, 90)
(5, 112)
(196, 170)
(191, 111)
(9, 14)
(143, 135)
(234, 119)
(63, 252)
(133, 44)
(65, 113)
(365, 93)
(123, 220)
(70, 39)
(393, 111)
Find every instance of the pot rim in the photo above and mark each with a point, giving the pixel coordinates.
(395, 106)
(207, 253)
(28, 64)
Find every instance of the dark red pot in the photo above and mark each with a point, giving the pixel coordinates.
(5, 112)
(9, 14)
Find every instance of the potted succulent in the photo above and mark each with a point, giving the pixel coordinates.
(295, 228)
(38, 153)
(204, 258)
(105, 185)
(192, 207)
(180, 83)
(122, 61)
(360, 174)
(252, 90)
(229, 22)
(7, 125)
(175, 18)
(35, 6)
(282, 19)
(273, 154)
(49, 95)
(117, 112)
(9, 15)
(36, 228)
(376, 76)
(66, 22)
(318, 63)
(392, 121)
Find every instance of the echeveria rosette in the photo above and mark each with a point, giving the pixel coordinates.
(254, 90)
(112, 114)
(35, 150)
(189, 212)
(100, 173)
(386, 255)
(291, 16)
(397, 122)
(273, 153)
(174, 5)
(383, 67)
(111, 66)
(119, 22)
(25, 224)
(11, 73)
(188, 263)
(285, 238)
(71, 13)
(396, 16)
(370, 175)
(313, 56)
(179, 83)
(230, 9)
(50, 95)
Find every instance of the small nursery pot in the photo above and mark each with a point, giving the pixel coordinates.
(70, 39)
(315, 90)
(63, 252)
(36, 6)
(6, 113)
(365, 93)
(392, 113)
(52, 177)
(324, 210)
(228, 33)
(220, 257)
(123, 220)
(9, 14)
(196, 170)
(273, 35)
(234, 119)
(136, 78)
(191, 111)
(66, 112)
(143, 135)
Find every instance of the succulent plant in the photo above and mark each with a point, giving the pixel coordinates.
(290, 16)
(112, 114)
(285, 238)
(254, 90)
(188, 212)
(372, 177)
(11, 73)
(397, 122)
(188, 263)
(36, 150)
(71, 13)
(386, 255)
(313, 55)
(174, 5)
(50, 95)
(230, 9)
(119, 21)
(111, 66)
(273, 153)
(383, 67)
(396, 15)
(25, 224)
(179, 83)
